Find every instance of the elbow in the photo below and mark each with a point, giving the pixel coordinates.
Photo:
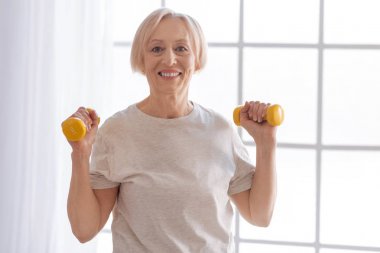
(84, 235)
(264, 223)
(83, 228)
(83, 231)
(83, 238)
(262, 220)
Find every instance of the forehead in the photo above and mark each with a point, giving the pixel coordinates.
(171, 28)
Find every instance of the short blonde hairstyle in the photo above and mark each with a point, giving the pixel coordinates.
(147, 27)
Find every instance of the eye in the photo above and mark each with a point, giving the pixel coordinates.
(157, 49)
(181, 49)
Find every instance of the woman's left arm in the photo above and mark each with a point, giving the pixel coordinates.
(256, 205)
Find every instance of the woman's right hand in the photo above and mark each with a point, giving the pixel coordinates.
(90, 119)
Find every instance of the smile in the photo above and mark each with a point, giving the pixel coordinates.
(169, 74)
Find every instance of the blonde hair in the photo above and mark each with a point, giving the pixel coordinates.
(147, 28)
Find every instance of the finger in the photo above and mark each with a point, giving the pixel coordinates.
(84, 115)
(94, 117)
(255, 109)
(77, 113)
(265, 110)
(87, 116)
(250, 110)
(260, 111)
(245, 108)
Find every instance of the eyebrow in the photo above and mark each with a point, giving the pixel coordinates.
(180, 40)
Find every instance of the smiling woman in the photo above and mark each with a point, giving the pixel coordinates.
(284, 55)
(168, 167)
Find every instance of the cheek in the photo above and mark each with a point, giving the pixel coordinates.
(189, 68)
(150, 65)
(190, 64)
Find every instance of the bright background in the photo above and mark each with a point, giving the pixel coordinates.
(320, 60)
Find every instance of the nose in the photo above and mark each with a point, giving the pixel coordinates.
(169, 58)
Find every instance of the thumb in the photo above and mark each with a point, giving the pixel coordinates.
(94, 117)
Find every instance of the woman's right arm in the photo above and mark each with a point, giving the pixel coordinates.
(88, 209)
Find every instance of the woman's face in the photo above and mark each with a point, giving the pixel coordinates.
(169, 59)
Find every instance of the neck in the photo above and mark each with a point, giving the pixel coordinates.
(168, 107)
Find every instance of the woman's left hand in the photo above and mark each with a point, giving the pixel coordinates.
(252, 119)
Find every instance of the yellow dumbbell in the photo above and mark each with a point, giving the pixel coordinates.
(74, 128)
(274, 115)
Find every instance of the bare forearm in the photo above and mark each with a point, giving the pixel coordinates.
(82, 205)
(264, 185)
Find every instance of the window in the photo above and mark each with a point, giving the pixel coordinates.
(320, 60)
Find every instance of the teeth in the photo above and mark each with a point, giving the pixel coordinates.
(171, 74)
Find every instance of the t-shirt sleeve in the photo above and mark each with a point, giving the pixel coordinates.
(100, 170)
(244, 168)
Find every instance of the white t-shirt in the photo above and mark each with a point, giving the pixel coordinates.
(175, 178)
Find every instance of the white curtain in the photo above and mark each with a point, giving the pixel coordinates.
(54, 57)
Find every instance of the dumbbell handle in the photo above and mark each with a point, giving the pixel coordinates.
(274, 115)
(74, 128)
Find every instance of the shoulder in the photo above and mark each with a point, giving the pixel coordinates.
(117, 122)
(213, 117)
